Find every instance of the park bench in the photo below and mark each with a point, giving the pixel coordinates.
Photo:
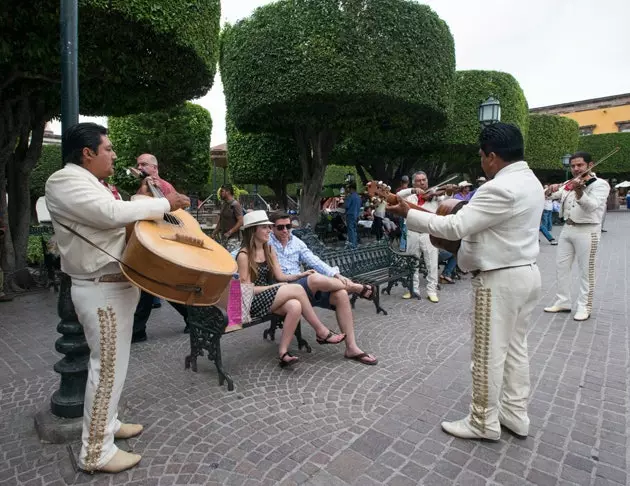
(374, 264)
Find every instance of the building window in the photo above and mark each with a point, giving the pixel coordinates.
(587, 130)
(623, 126)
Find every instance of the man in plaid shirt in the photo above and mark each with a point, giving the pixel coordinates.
(327, 288)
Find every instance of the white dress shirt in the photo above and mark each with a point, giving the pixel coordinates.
(498, 227)
(76, 198)
(590, 208)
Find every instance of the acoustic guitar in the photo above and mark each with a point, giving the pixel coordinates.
(379, 192)
(174, 259)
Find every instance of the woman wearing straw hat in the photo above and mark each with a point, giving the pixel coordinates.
(258, 263)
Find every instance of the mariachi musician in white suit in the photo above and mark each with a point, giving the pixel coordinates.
(583, 206)
(499, 233)
(104, 300)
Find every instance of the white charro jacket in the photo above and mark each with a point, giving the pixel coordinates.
(590, 208)
(498, 227)
(77, 199)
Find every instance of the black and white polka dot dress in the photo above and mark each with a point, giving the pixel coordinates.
(262, 302)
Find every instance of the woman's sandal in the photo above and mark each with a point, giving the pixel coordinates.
(368, 289)
(361, 358)
(284, 364)
(327, 339)
(445, 279)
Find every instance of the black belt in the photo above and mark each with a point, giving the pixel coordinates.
(477, 272)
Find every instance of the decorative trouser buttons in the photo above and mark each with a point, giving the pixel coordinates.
(480, 355)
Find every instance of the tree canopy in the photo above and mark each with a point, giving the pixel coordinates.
(317, 69)
(550, 137)
(49, 162)
(179, 137)
(267, 159)
(133, 56)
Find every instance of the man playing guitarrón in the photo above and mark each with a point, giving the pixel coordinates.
(582, 205)
(499, 233)
(104, 300)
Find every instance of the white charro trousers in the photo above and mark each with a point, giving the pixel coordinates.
(105, 311)
(420, 244)
(577, 243)
(503, 304)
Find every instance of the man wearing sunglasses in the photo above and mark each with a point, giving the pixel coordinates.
(327, 288)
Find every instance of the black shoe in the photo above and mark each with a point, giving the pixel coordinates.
(157, 306)
(187, 329)
(138, 337)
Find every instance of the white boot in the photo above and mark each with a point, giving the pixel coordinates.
(518, 430)
(463, 430)
(581, 315)
(127, 431)
(554, 309)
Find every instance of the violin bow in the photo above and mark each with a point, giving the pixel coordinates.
(607, 156)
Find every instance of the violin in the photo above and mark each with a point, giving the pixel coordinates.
(571, 183)
(437, 191)
(379, 192)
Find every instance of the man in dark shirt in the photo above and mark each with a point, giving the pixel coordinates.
(230, 219)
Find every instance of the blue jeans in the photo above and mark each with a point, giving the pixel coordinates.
(352, 232)
(451, 262)
(403, 235)
(546, 225)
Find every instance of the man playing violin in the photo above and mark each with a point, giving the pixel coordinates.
(499, 233)
(420, 243)
(582, 205)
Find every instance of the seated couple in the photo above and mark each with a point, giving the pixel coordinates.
(265, 258)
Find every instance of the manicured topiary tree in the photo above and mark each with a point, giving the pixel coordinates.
(134, 56)
(601, 145)
(49, 162)
(316, 69)
(179, 137)
(265, 159)
(550, 137)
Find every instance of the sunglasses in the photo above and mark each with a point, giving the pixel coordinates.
(281, 227)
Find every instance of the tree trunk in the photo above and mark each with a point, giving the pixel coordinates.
(279, 189)
(315, 146)
(19, 169)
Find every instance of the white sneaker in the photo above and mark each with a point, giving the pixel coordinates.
(554, 309)
(581, 316)
(463, 430)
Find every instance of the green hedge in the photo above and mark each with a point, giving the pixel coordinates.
(550, 137)
(49, 162)
(266, 159)
(134, 55)
(330, 63)
(600, 145)
(473, 88)
(179, 137)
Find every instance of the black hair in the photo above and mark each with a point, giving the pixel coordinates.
(273, 217)
(78, 137)
(582, 155)
(229, 188)
(505, 140)
(352, 185)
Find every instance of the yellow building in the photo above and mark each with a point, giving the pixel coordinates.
(610, 114)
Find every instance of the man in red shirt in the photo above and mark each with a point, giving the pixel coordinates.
(149, 164)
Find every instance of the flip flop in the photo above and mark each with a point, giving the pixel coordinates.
(326, 340)
(361, 359)
(366, 289)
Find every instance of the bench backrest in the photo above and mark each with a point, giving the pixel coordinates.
(366, 258)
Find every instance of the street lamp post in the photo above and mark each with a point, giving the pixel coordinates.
(489, 112)
(566, 163)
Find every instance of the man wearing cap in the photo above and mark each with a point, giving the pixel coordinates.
(464, 193)
(582, 205)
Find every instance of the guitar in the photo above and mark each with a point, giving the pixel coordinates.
(178, 261)
(379, 192)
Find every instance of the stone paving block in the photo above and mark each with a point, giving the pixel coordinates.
(611, 473)
(348, 465)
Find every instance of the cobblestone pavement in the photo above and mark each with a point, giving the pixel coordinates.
(328, 421)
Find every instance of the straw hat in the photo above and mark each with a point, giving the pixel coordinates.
(255, 218)
(464, 184)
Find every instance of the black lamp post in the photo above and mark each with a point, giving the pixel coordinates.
(67, 402)
(566, 163)
(489, 112)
